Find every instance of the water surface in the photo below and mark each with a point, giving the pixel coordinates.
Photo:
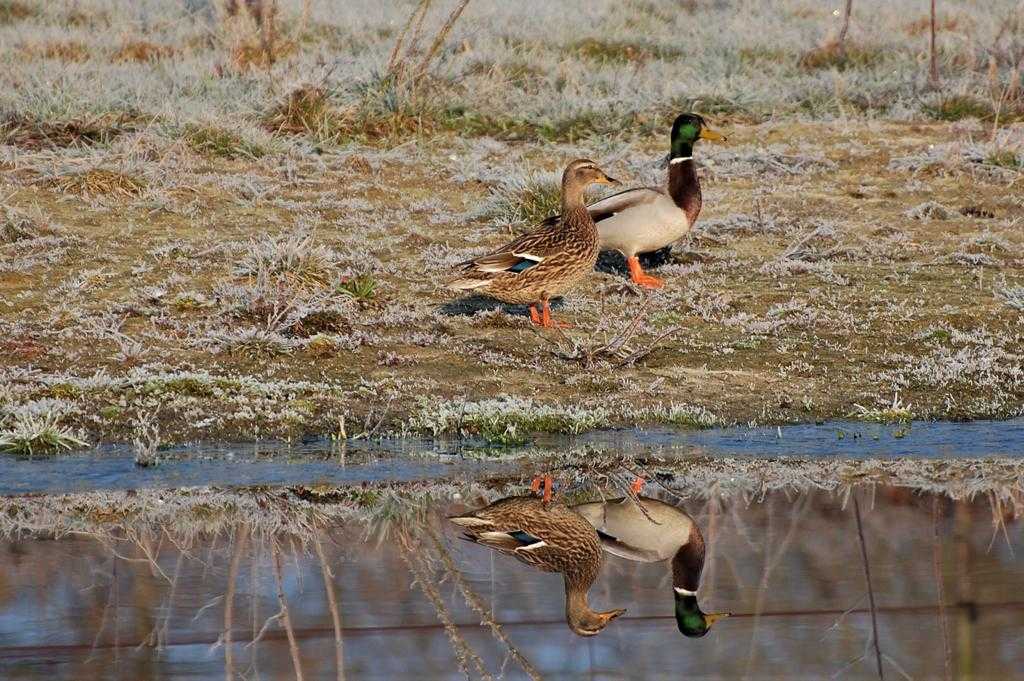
(139, 600)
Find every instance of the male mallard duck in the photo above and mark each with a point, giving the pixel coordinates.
(550, 537)
(547, 261)
(655, 533)
(644, 219)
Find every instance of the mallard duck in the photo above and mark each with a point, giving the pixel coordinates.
(550, 537)
(547, 261)
(655, 533)
(644, 219)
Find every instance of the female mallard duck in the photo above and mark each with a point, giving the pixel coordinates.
(550, 537)
(547, 261)
(644, 219)
(655, 533)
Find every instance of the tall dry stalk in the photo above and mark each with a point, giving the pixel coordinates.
(229, 600)
(406, 68)
(933, 63)
(845, 28)
(940, 588)
(332, 605)
(286, 620)
(871, 588)
(413, 554)
(476, 603)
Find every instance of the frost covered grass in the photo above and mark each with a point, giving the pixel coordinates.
(268, 256)
(28, 434)
(513, 421)
(561, 72)
(505, 420)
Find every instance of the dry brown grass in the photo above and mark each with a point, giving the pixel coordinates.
(62, 50)
(33, 134)
(143, 51)
(947, 24)
(12, 11)
(306, 110)
(839, 55)
(253, 55)
(99, 182)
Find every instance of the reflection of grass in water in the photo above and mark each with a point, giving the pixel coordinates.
(384, 506)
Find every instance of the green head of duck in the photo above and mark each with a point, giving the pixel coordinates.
(692, 621)
(686, 130)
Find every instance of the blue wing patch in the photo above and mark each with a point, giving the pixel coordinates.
(522, 265)
(524, 538)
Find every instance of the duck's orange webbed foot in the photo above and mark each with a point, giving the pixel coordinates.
(638, 276)
(536, 319)
(548, 483)
(547, 322)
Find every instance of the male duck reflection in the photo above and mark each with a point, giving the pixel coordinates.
(655, 533)
(548, 536)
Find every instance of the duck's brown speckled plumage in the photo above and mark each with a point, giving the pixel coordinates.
(548, 536)
(548, 261)
(573, 547)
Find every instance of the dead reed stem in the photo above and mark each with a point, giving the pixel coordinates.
(474, 601)
(439, 39)
(413, 555)
(293, 646)
(845, 28)
(940, 587)
(332, 604)
(229, 600)
(871, 590)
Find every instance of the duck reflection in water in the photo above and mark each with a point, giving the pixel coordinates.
(551, 537)
(652, 533)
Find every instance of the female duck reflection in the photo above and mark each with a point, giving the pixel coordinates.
(551, 537)
(554, 538)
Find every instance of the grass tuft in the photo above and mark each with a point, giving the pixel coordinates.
(33, 133)
(143, 51)
(307, 111)
(16, 226)
(959, 107)
(526, 198)
(361, 288)
(61, 50)
(1013, 296)
(38, 434)
(293, 257)
(213, 141)
(99, 181)
(623, 52)
(842, 57)
(505, 420)
(13, 11)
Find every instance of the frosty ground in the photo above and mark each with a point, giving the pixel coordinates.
(263, 251)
